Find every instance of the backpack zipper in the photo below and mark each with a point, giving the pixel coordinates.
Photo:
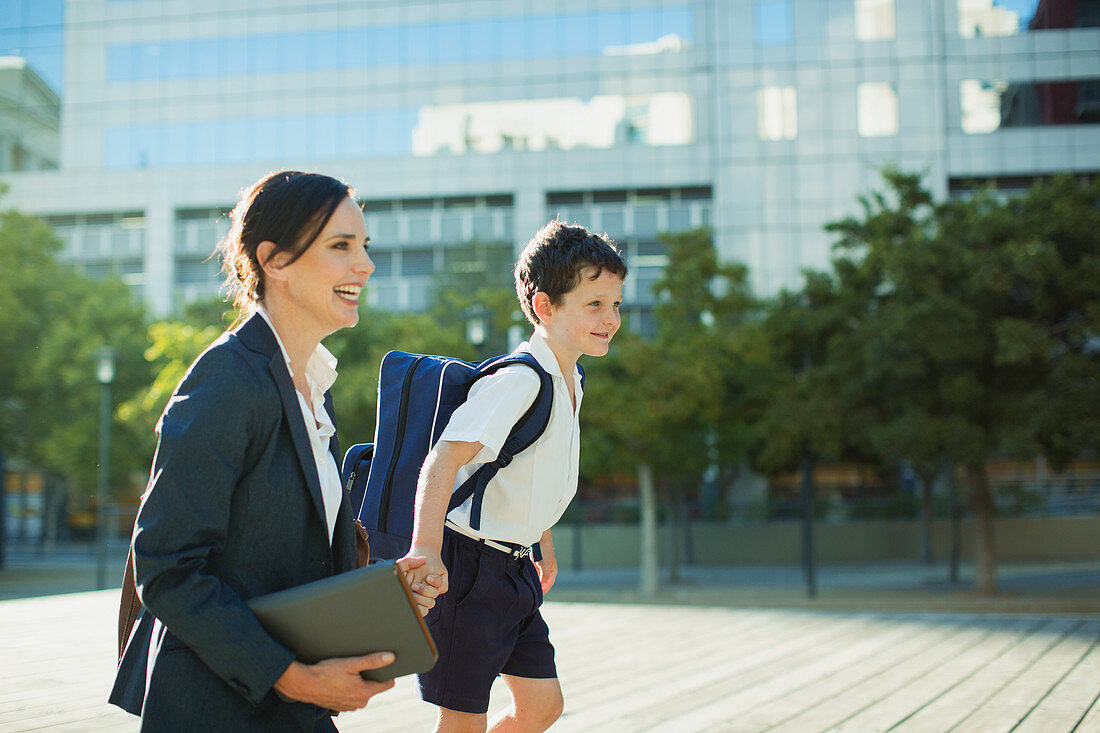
(387, 485)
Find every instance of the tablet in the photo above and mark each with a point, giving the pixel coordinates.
(366, 610)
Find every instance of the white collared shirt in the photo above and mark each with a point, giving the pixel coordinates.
(320, 376)
(529, 495)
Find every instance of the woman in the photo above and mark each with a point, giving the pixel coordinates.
(244, 496)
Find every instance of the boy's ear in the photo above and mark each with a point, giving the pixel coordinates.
(271, 262)
(544, 309)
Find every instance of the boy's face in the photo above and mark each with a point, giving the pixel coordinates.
(587, 317)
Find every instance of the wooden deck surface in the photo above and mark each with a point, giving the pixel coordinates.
(664, 669)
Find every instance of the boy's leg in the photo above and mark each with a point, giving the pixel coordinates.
(536, 704)
(454, 721)
(530, 673)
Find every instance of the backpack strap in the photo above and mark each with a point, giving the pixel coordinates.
(526, 431)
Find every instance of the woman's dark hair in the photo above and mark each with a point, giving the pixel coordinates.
(289, 208)
(556, 258)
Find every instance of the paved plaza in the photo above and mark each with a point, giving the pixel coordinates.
(665, 668)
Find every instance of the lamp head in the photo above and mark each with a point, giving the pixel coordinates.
(105, 365)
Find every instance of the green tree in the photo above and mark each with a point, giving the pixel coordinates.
(671, 404)
(29, 299)
(477, 284)
(360, 351)
(173, 345)
(978, 335)
(886, 262)
(52, 320)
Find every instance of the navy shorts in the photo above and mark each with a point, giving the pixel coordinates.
(487, 623)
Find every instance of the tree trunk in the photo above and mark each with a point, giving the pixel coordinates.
(52, 516)
(3, 510)
(956, 534)
(22, 532)
(685, 527)
(981, 505)
(809, 561)
(578, 546)
(927, 481)
(648, 500)
(673, 534)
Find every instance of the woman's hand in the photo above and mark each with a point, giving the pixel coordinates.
(424, 587)
(334, 684)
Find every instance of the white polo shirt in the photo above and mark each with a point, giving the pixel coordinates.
(530, 494)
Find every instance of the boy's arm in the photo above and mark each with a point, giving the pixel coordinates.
(433, 494)
(548, 565)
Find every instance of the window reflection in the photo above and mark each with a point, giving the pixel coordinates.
(777, 113)
(30, 116)
(981, 105)
(565, 123)
(875, 20)
(989, 105)
(33, 30)
(878, 110)
(773, 22)
(992, 17)
(616, 33)
(1011, 17)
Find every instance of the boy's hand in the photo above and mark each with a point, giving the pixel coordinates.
(548, 572)
(420, 565)
(424, 591)
(548, 565)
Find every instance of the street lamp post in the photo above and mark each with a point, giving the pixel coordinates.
(477, 328)
(105, 375)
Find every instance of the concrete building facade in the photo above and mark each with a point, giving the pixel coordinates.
(481, 119)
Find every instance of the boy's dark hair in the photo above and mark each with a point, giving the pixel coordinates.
(556, 258)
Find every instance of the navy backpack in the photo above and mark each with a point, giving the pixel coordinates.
(416, 396)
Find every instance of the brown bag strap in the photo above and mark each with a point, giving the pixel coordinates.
(129, 606)
(362, 546)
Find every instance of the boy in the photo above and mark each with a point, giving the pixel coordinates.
(486, 620)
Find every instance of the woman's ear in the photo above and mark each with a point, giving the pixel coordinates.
(544, 309)
(271, 261)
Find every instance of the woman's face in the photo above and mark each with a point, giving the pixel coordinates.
(324, 284)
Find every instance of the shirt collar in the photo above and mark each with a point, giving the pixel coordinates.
(544, 355)
(320, 369)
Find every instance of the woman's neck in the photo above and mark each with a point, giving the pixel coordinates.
(295, 335)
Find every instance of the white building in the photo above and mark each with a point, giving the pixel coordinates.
(762, 119)
(29, 118)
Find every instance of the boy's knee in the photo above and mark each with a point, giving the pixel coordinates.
(453, 721)
(554, 708)
(540, 712)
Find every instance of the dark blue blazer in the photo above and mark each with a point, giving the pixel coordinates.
(233, 510)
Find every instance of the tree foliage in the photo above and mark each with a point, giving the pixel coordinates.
(955, 331)
(674, 401)
(52, 321)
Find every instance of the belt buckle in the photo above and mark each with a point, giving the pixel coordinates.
(521, 553)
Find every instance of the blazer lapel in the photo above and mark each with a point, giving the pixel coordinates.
(257, 335)
(343, 532)
(333, 443)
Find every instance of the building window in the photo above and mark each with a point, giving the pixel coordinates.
(878, 110)
(981, 105)
(773, 22)
(644, 31)
(990, 104)
(777, 116)
(875, 20)
(1012, 17)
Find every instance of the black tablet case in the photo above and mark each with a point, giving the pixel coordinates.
(362, 611)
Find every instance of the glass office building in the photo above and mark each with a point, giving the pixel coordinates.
(479, 120)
